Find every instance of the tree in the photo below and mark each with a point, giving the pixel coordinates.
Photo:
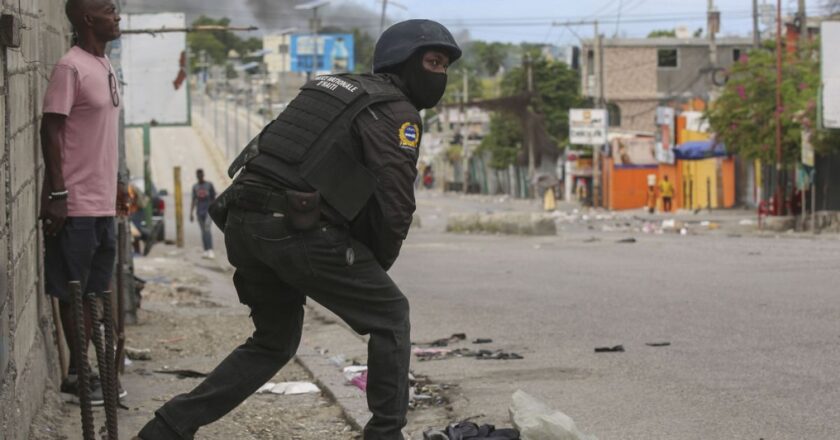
(662, 33)
(217, 44)
(743, 117)
(556, 91)
(491, 55)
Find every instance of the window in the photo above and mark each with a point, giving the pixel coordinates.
(667, 58)
(736, 54)
(613, 115)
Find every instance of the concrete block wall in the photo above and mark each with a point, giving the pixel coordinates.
(28, 359)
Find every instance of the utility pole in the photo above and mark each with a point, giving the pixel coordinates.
(227, 120)
(529, 123)
(382, 19)
(713, 23)
(601, 104)
(463, 132)
(236, 119)
(803, 24)
(779, 181)
(756, 32)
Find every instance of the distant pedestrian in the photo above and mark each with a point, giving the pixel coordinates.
(81, 195)
(428, 177)
(203, 194)
(651, 199)
(666, 190)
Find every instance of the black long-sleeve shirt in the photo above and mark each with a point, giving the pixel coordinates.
(389, 134)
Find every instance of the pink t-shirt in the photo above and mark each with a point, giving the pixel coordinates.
(79, 89)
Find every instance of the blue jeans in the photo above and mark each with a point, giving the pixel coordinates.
(206, 225)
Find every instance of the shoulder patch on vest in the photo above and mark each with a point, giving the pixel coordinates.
(409, 135)
(346, 91)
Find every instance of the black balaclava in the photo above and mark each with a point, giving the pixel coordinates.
(425, 88)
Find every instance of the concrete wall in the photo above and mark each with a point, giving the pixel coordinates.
(28, 359)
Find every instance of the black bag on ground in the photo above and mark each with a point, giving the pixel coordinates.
(471, 431)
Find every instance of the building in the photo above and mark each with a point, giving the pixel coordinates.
(29, 364)
(641, 74)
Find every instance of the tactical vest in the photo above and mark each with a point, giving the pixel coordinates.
(309, 146)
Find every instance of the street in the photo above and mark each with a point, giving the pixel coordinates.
(751, 319)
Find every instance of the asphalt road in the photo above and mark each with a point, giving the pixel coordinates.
(753, 322)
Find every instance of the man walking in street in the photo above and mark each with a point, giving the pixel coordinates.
(320, 209)
(79, 144)
(666, 189)
(203, 194)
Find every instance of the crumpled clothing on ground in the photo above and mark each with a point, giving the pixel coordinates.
(470, 431)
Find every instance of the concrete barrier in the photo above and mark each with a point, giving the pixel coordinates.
(511, 223)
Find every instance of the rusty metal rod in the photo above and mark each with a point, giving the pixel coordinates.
(111, 382)
(82, 366)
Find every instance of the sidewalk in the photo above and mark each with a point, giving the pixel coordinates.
(190, 319)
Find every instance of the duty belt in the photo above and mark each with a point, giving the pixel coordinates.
(259, 199)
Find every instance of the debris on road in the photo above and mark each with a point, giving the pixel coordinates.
(425, 393)
(429, 354)
(353, 371)
(289, 388)
(183, 374)
(614, 349)
(138, 354)
(470, 431)
(360, 381)
(537, 421)
(482, 341)
(443, 342)
(627, 240)
(658, 344)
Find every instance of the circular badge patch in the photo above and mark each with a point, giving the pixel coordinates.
(409, 135)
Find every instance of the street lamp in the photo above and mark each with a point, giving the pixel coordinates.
(314, 25)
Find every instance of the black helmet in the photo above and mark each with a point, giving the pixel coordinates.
(401, 40)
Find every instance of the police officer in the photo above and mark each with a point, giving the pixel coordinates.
(322, 201)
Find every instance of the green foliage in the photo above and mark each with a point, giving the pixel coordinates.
(557, 89)
(217, 44)
(491, 56)
(365, 45)
(743, 117)
(662, 33)
(503, 141)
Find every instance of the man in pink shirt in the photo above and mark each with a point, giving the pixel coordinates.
(81, 194)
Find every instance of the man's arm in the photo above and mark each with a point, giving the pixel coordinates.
(192, 204)
(390, 135)
(54, 212)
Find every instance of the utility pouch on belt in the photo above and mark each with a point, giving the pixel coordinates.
(303, 210)
(218, 210)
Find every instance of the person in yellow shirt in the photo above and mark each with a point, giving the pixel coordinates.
(666, 190)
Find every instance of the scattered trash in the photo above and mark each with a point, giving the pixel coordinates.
(658, 344)
(424, 393)
(592, 240)
(482, 341)
(469, 431)
(683, 231)
(537, 421)
(353, 371)
(444, 342)
(429, 354)
(183, 374)
(360, 381)
(172, 340)
(627, 240)
(337, 360)
(497, 355)
(615, 349)
(754, 253)
(289, 388)
(138, 354)
(746, 222)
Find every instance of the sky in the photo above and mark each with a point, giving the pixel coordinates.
(492, 20)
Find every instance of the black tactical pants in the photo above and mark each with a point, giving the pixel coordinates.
(275, 270)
